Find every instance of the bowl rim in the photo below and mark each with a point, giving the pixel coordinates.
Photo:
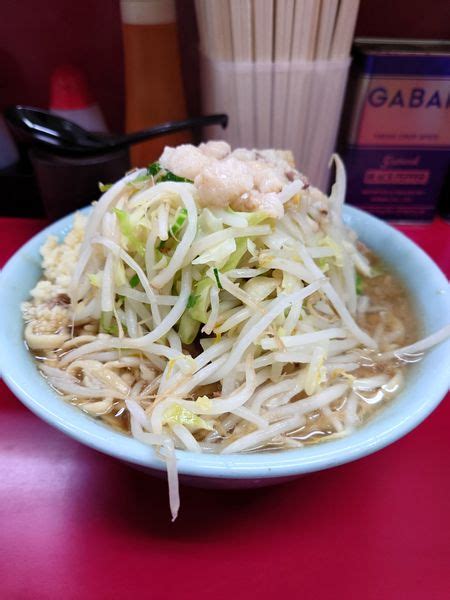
(32, 390)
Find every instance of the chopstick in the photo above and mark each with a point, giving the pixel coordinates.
(324, 35)
(345, 27)
(263, 12)
(263, 19)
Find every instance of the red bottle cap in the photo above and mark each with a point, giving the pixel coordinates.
(69, 89)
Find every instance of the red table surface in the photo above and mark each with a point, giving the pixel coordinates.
(77, 524)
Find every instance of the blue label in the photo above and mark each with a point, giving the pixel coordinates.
(396, 184)
(406, 64)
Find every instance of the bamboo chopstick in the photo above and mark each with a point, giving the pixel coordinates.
(345, 27)
(263, 12)
(328, 11)
(284, 17)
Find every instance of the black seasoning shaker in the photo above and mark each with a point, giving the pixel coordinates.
(67, 184)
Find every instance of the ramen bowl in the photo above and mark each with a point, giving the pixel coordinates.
(426, 382)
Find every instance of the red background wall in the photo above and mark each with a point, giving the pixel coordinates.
(35, 37)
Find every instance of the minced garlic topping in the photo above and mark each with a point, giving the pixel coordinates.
(248, 180)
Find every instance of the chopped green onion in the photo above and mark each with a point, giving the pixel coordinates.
(156, 170)
(216, 275)
(192, 300)
(104, 187)
(359, 284)
(134, 281)
(169, 176)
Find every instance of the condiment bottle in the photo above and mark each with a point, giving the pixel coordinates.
(153, 82)
(71, 98)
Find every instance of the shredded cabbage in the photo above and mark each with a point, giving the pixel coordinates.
(178, 414)
(129, 232)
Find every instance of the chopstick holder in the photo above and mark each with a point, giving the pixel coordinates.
(292, 105)
(327, 89)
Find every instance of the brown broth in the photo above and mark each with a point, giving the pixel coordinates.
(391, 294)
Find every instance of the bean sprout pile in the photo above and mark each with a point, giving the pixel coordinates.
(209, 329)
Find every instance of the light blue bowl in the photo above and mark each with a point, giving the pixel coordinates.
(427, 381)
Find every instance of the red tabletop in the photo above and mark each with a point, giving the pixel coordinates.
(77, 524)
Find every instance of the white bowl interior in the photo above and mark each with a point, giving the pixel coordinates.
(427, 381)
